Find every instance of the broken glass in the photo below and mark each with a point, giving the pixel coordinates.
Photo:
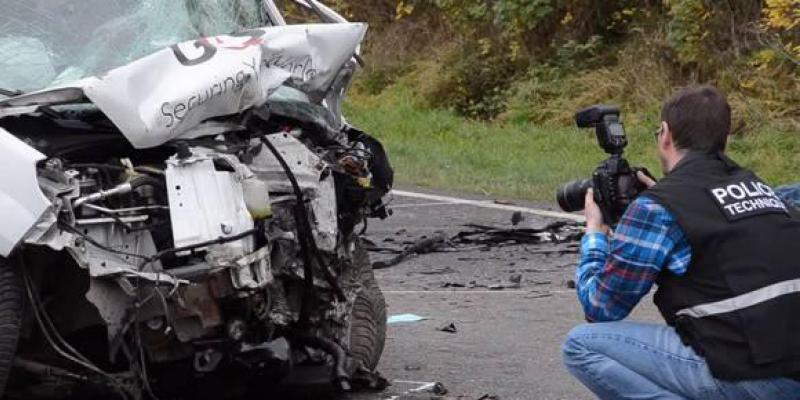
(49, 42)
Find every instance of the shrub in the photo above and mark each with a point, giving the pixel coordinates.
(470, 78)
(539, 60)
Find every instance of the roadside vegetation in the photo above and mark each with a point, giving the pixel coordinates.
(479, 95)
(441, 149)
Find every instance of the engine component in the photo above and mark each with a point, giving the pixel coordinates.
(308, 168)
(206, 200)
(256, 197)
(104, 194)
(123, 188)
(236, 329)
(207, 360)
(253, 271)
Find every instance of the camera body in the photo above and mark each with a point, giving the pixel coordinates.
(614, 182)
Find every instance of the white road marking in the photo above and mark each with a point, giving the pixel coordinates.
(413, 382)
(437, 292)
(416, 205)
(485, 204)
(423, 388)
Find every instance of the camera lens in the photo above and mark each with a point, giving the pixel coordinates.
(572, 195)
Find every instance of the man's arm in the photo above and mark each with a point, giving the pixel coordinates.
(616, 272)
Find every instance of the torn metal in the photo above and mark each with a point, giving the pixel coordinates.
(187, 191)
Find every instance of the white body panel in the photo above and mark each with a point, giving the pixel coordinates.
(163, 96)
(21, 201)
(205, 204)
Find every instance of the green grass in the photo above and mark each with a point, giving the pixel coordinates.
(437, 148)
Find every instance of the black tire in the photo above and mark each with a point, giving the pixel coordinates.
(11, 310)
(368, 320)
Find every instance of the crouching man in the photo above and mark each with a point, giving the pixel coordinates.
(722, 249)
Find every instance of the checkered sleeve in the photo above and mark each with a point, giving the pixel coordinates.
(616, 272)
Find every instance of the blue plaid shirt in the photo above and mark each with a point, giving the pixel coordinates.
(615, 274)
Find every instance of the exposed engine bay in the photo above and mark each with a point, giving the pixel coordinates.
(188, 245)
(228, 250)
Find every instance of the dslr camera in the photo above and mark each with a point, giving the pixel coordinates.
(614, 182)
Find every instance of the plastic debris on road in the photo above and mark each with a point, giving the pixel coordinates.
(401, 318)
(449, 328)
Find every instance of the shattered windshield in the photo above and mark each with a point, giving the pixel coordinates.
(50, 42)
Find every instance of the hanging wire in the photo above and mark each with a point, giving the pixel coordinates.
(40, 315)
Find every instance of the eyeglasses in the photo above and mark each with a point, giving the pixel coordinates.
(658, 131)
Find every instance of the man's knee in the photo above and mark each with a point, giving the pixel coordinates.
(575, 348)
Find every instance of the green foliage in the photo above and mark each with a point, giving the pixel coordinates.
(536, 60)
(438, 148)
(572, 55)
(636, 81)
(520, 16)
(687, 31)
(469, 78)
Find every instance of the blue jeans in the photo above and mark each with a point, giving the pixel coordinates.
(790, 194)
(629, 360)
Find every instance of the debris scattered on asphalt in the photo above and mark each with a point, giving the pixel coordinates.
(438, 271)
(449, 328)
(436, 388)
(571, 284)
(400, 318)
(483, 237)
(489, 397)
(373, 247)
(412, 367)
(514, 282)
(423, 246)
(439, 389)
(474, 284)
(516, 218)
(569, 249)
(538, 295)
(515, 279)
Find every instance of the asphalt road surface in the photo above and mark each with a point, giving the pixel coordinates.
(507, 342)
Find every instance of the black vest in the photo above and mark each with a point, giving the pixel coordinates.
(738, 304)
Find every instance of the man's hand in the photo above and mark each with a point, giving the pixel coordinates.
(594, 217)
(646, 180)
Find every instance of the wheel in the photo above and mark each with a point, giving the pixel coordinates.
(368, 320)
(11, 303)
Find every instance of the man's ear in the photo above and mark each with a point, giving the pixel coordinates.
(666, 141)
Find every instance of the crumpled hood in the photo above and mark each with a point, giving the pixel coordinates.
(162, 96)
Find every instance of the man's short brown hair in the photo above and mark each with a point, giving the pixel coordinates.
(699, 118)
